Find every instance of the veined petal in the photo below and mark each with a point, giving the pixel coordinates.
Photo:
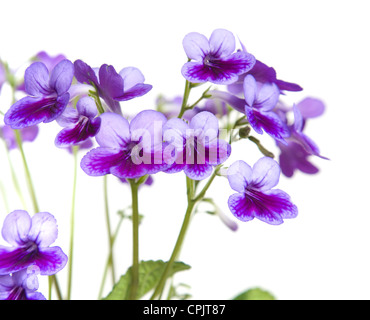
(222, 43)
(205, 125)
(130, 170)
(238, 206)
(239, 175)
(196, 46)
(198, 171)
(86, 106)
(266, 174)
(269, 122)
(15, 259)
(51, 260)
(174, 132)
(69, 117)
(36, 80)
(100, 161)
(44, 229)
(114, 131)
(16, 227)
(61, 77)
(217, 151)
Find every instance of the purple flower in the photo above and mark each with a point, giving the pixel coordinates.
(127, 150)
(49, 61)
(214, 59)
(255, 197)
(112, 86)
(194, 148)
(47, 95)
(80, 123)
(260, 102)
(30, 240)
(27, 134)
(21, 285)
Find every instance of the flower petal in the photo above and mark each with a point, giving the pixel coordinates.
(128, 169)
(14, 259)
(44, 230)
(131, 76)
(311, 107)
(61, 77)
(111, 82)
(238, 206)
(84, 73)
(86, 106)
(217, 152)
(69, 117)
(196, 46)
(239, 175)
(222, 43)
(36, 80)
(136, 91)
(16, 227)
(99, 161)
(114, 131)
(267, 97)
(51, 260)
(204, 125)
(266, 174)
(198, 171)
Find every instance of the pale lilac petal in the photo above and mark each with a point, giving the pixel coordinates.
(79, 89)
(205, 125)
(69, 117)
(298, 119)
(250, 90)
(196, 46)
(267, 97)
(136, 91)
(114, 131)
(174, 132)
(86, 106)
(238, 206)
(217, 151)
(222, 43)
(99, 161)
(61, 77)
(235, 102)
(147, 127)
(16, 227)
(36, 80)
(266, 174)
(131, 76)
(311, 107)
(239, 175)
(44, 230)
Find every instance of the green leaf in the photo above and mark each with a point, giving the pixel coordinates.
(149, 275)
(255, 294)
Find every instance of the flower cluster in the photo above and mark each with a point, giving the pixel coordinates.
(28, 255)
(244, 96)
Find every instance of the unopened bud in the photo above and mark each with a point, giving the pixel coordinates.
(244, 132)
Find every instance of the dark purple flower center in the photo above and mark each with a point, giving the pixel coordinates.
(17, 293)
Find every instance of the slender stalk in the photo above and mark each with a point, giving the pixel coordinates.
(109, 229)
(72, 221)
(135, 240)
(185, 99)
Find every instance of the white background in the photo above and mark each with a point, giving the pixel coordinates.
(321, 45)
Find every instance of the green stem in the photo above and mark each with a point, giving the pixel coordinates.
(27, 171)
(185, 99)
(135, 240)
(72, 221)
(109, 229)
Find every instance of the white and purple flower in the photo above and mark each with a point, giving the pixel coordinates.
(127, 150)
(30, 240)
(255, 197)
(80, 124)
(214, 60)
(47, 97)
(194, 147)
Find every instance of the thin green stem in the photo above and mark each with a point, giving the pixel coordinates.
(72, 222)
(135, 240)
(109, 229)
(185, 99)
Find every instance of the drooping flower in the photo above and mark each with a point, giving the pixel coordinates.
(295, 154)
(214, 59)
(21, 285)
(47, 95)
(28, 134)
(195, 147)
(260, 102)
(255, 197)
(113, 87)
(30, 240)
(80, 123)
(127, 150)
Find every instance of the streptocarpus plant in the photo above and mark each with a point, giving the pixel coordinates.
(243, 100)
